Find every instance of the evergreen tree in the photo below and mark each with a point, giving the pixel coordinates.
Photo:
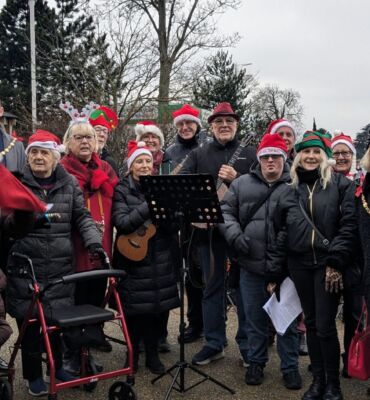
(224, 81)
(362, 141)
(78, 56)
(15, 66)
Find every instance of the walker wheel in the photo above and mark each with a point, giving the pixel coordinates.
(5, 390)
(121, 391)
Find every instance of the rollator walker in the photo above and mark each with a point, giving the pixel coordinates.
(70, 318)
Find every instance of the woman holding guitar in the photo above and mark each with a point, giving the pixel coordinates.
(150, 287)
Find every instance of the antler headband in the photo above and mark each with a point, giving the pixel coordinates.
(76, 116)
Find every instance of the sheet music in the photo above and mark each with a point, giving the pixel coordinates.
(283, 313)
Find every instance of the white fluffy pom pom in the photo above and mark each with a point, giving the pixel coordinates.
(337, 132)
(141, 144)
(331, 162)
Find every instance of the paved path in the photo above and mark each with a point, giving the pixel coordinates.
(228, 370)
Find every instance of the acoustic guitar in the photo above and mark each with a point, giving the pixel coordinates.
(134, 246)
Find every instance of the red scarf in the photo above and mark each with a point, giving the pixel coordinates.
(92, 176)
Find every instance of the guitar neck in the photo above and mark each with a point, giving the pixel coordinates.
(243, 143)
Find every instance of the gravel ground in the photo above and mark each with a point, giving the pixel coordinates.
(228, 370)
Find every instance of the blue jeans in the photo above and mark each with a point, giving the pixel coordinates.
(241, 335)
(254, 295)
(214, 292)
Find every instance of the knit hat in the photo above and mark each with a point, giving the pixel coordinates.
(136, 149)
(223, 110)
(320, 138)
(341, 138)
(186, 113)
(272, 145)
(45, 140)
(274, 125)
(104, 116)
(145, 127)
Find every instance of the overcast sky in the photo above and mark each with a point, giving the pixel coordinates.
(321, 48)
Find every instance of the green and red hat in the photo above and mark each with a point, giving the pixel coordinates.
(104, 116)
(320, 138)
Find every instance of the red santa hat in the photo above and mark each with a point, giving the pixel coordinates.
(186, 113)
(341, 138)
(45, 140)
(272, 145)
(144, 127)
(136, 149)
(278, 123)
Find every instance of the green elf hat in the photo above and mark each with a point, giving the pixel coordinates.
(104, 116)
(319, 138)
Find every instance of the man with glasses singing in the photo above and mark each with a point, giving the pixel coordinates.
(213, 158)
(251, 236)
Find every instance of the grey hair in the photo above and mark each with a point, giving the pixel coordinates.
(83, 127)
(324, 167)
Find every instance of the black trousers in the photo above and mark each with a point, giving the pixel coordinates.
(320, 310)
(32, 348)
(146, 328)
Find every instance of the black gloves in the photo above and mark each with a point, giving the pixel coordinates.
(241, 245)
(97, 252)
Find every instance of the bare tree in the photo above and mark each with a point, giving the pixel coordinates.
(179, 29)
(270, 102)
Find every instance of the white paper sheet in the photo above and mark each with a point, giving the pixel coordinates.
(283, 312)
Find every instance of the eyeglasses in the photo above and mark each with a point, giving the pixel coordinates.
(227, 121)
(268, 156)
(344, 154)
(101, 130)
(80, 138)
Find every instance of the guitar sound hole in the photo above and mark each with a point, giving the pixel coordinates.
(141, 231)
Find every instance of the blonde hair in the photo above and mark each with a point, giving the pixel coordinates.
(79, 128)
(324, 168)
(365, 161)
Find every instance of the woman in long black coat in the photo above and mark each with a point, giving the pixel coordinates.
(49, 246)
(150, 287)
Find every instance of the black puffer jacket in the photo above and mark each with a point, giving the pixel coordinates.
(210, 157)
(150, 286)
(50, 248)
(363, 219)
(333, 212)
(243, 194)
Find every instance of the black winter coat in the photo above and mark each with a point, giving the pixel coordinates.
(50, 247)
(150, 286)
(209, 158)
(244, 192)
(363, 218)
(333, 212)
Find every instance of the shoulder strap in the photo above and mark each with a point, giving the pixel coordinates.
(259, 203)
(325, 241)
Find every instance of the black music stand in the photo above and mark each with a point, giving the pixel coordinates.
(183, 199)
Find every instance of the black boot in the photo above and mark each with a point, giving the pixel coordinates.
(333, 391)
(152, 362)
(316, 389)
